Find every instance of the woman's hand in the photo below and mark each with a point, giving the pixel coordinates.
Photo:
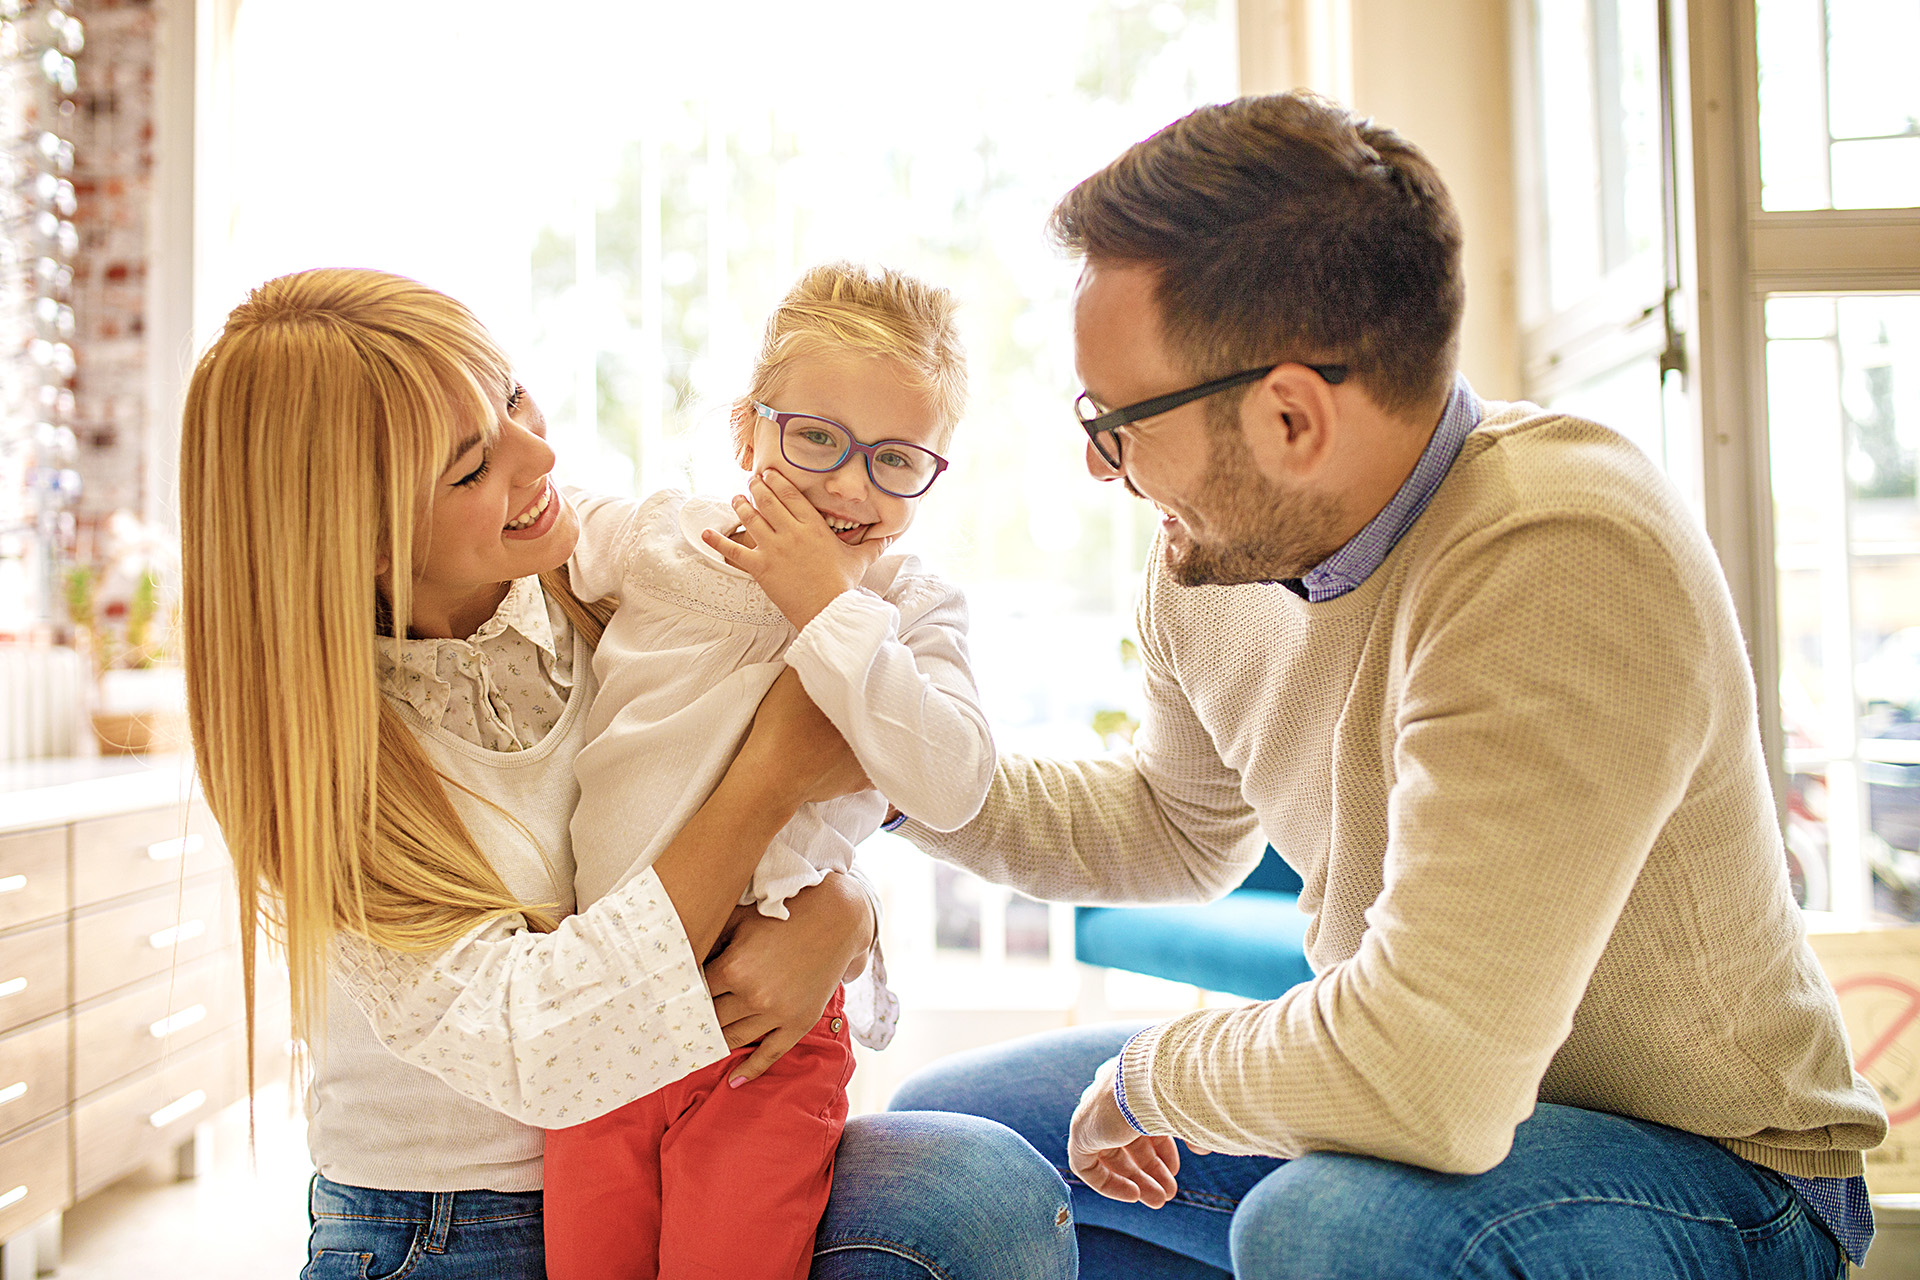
(772, 978)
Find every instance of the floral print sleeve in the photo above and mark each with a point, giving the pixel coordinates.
(551, 1029)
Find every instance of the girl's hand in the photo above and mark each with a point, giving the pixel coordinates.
(795, 557)
(772, 978)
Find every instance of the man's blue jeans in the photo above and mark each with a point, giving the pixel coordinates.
(1582, 1194)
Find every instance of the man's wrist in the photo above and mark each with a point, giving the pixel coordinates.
(1120, 1085)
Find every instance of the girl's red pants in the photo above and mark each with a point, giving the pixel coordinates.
(700, 1179)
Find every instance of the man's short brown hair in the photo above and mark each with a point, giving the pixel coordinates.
(1286, 228)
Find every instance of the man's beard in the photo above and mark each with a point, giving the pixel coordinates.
(1258, 531)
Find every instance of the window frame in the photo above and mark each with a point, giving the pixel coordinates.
(1737, 255)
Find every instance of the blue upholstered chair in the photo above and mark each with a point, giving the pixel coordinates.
(1248, 943)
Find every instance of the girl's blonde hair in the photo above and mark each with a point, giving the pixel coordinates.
(842, 308)
(315, 427)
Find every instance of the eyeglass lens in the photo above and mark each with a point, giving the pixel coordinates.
(1105, 443)
(815, 444)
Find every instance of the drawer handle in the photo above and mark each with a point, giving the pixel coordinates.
(13, 986)
(12, 884)
(13, 1197)
(180, 1107)
(185, 931)
(168, 850)
(13, 1092)
(179, 1021)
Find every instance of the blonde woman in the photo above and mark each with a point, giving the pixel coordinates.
(389, 674)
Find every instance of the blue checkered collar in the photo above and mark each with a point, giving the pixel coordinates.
(1367, 550)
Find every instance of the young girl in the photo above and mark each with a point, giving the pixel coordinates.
(370, 543)
(859, 383)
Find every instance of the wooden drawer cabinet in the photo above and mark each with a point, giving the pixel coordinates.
(33, 876)
(136, 938)
(131, 1123)
(132, 1029)
(35, 1176)
(121, 1009)
(33, 974)
(134, 851)
(33, 1074)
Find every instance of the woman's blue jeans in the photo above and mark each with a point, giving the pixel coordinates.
(915, 1197)
(1582, 1194)
(363, 1234)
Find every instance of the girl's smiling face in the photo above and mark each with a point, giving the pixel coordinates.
(874, 398)
(495, 515)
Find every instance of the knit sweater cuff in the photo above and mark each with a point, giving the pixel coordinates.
(1133, 1082)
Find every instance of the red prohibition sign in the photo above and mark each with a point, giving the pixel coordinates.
(1871, 1054)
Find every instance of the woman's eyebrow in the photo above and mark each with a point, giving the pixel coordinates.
(460, 449)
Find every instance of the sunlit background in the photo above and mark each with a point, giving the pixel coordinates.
(623, 192)
(1840, 129)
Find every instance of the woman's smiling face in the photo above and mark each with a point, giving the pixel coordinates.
(871, 396)
(495, 516)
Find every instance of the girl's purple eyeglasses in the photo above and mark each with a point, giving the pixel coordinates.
(821, 444)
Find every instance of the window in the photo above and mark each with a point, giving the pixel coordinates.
(1764, 345)
(1843, 403)
(1839, 104)
(1598, 263)
(1809, 257)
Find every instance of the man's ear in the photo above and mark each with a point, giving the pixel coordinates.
(1288, 420)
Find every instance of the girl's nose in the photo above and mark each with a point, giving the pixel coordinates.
(850, 481)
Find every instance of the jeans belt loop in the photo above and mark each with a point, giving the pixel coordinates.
(442, 1222)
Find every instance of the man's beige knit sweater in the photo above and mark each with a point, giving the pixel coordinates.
(1519, 771)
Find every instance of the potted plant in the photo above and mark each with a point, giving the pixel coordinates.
(126, 619)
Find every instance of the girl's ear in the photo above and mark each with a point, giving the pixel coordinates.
(743, 424)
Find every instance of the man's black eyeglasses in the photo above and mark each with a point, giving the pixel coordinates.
(1103, 428)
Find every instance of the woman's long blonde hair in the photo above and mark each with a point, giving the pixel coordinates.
(315, 427)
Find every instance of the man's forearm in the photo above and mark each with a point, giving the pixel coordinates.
(1095, 831)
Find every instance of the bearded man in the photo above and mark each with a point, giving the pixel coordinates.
(1474, 671)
